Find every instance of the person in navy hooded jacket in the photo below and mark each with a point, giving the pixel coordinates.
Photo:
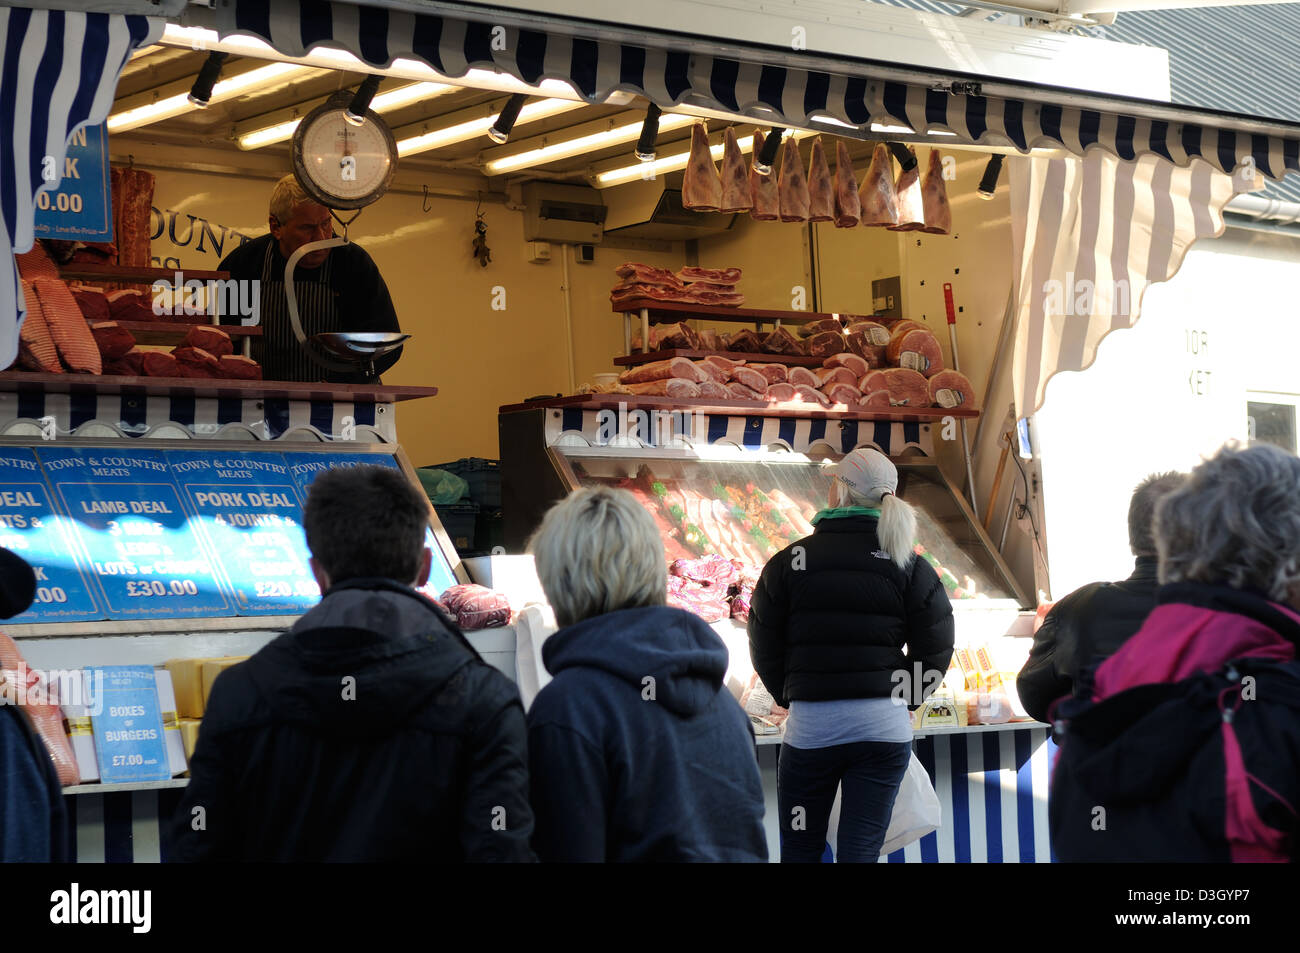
(637, 750)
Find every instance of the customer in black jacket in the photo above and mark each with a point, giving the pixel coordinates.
(1088, 625)
(638, 750)
(847, 628)
(372, 730)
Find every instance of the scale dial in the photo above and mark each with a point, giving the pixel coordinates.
(341, 165)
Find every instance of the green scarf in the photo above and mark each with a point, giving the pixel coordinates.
(835, 512)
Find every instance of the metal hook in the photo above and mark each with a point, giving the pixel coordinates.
(478, 209)
(424, 206)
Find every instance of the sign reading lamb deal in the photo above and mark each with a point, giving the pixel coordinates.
(80, 208)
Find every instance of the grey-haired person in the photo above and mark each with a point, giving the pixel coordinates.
(840, 625)
(637, 750)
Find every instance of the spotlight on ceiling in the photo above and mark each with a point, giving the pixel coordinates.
(645, 145)
(767, 155)
(356, 112)
(905, 156)
(989, 182)
(500, 131)
(201, 91)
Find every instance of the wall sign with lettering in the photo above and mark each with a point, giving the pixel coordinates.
(247, 509)
(80, 208)
(30, 527)
(127, 514)
(129, 741)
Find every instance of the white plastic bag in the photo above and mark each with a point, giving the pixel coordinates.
(916, 811)
(534, 625)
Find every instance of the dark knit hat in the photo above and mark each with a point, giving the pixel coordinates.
(17, 584)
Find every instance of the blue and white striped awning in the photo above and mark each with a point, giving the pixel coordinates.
(759, 83)
(58, 72)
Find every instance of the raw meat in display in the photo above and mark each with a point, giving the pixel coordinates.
(36, 263)
(716, 299)
(780, 392)
(873, 381)
(701, 187)
(826, 376)
(132, 210)
(877, 195)
(876, 400)
(93, 304)
(934, 198)
(37, 350)
(911, 206)
(712, 570)
(476, 607)
(781, 341)
(950, 389)
(669, 387)
(763, 189)
(906, 387)
(792, 186)
(745, 342)
(810, 395)
(819, 326)
(874, 356)
(919, 351)
(680, 335)
(875, 333)
(709, 340)
(750, 377)
(739, 391)
(209, 338)
(714, 390)
(802, 376)
(131, 306)
(725, 364)
(638, 273)
(708, 606)
(72, 337)
(821, 191)
(196, 362)
(240, 368)
(130, 364)
(735, 177)
(658, 370)
(852, 362)
(695, 287)
(848, 207)
(896, 335)
(827, 343)
(839, 393)
(158, 364)
(792, 512)
(114, 342)
(772, 373)
(722, 276)
(714, 373)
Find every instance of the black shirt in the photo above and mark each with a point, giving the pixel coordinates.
(360, 296)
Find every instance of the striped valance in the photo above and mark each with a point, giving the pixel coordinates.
(796, 97)
(58, 72)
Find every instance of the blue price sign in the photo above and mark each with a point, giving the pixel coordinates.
(128, 517)
(81, 207)
(247, 509)
(31, 528)
(305, 467)
(128, 728)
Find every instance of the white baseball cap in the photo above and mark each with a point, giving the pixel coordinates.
(869, 473)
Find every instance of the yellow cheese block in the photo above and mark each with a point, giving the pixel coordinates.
(187, 682)
(213, 668)
(190, 735)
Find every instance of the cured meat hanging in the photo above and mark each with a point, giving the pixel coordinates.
(848, 206)
(701, 187)
(934, 198)
(792, 186)
(735, 177)
(821, 190)
(877, 196)
(763, 192)
(911, 204)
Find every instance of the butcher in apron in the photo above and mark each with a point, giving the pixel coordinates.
(337, 289)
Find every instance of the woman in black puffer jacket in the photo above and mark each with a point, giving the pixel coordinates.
(848, 629)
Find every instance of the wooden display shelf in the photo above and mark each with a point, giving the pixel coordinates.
(791, 360)
(39, 381)
(661, 311)
(172, 333)
(83, 271)
(737, 408)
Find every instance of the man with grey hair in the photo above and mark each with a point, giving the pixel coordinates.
(1092, 622)
(337, 289)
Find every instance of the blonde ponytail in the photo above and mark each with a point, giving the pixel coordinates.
(897, 529)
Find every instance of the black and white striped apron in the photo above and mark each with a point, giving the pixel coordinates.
(278, 351)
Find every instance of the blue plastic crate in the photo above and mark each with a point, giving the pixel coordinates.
(460, 520)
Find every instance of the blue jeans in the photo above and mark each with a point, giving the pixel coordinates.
(869, 773)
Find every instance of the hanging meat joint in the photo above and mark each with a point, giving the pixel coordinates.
(821, 191)
(934, 198)
(701, 187)
(879, 201)
(765, 202)
(848, 207)
(735, 178)
(911, 207)
(792, 186)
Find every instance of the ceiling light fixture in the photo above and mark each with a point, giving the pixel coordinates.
(552, 151)
(906, 158)
(473, 128)
(385, 102)
(604, 178)
(264, 77)
(356, 111)
(989, 181)
(645, 144)
(505, 121)
(767, 155)
(201, 92)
